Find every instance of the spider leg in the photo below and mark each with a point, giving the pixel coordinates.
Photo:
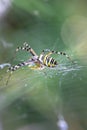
(56, 52)
(62, 53)
(27, 48)
(15, 67)
(45, 51)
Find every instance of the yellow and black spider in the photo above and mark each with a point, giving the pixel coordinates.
(38, 62)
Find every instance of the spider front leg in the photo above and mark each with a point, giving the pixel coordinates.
(27, 48)
(24, 47)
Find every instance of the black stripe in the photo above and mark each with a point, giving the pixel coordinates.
(22, 64)
(28, 49)
(55, 62)
(19, 64)
(52, 61)
(64, 53)
(12, 68)
(48, 59)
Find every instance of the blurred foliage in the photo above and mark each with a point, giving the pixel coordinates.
(39, 96)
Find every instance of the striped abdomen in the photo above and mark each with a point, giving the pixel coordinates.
(48, 61)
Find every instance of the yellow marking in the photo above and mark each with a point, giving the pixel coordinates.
(53, 65)
(49, 53)
(44, 60)
(37, 66)
(48, 64)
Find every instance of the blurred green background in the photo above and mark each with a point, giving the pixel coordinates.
(32, 100)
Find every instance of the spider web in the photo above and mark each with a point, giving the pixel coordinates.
(60, 71)
(61, 86)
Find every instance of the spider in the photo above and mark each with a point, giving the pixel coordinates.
(38, 62)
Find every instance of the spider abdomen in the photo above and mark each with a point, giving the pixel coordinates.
(48, 61)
